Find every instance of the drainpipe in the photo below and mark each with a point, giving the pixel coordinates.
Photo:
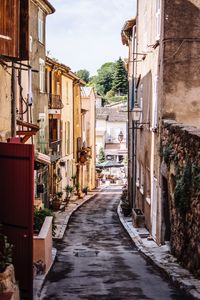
(13, 101)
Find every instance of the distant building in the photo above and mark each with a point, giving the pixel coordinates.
(110, 122)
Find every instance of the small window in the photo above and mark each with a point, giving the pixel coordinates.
(42, 75)
(141, 179)
(67, 93)
(138, 174)
(41, 26)
(68, 137)
(155, 103)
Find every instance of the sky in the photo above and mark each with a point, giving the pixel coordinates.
(84, 34)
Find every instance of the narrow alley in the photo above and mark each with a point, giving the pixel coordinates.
(97, 260)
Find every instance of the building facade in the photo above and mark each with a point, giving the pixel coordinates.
(164, 112)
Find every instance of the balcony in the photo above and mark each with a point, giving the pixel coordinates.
(55, 147)
(55, 102)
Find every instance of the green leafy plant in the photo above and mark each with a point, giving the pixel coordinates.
(69, 188)
(167, 150)
(39, 217)
(183, 189)
(6, 251)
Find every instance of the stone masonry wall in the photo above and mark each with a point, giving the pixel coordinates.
(180, 152)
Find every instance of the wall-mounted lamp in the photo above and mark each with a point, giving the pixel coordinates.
(136, 116)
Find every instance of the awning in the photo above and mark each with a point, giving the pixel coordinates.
(109, 164)
(42, 158)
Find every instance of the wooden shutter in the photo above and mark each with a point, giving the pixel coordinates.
(14, 24)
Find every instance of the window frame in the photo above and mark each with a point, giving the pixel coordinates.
(40, 26)
(42, 75)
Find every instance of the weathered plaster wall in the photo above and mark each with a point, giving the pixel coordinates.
(180, 153)
(181, 64)
(5, 104)
(40, 99)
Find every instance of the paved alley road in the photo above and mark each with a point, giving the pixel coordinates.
(97, 260)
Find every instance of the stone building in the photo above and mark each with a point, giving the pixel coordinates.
(165, 108)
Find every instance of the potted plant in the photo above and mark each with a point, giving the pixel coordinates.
(68, 189)
(39, 217)
(125, 205)
(77, 185)
(56, 200)
(85, 190)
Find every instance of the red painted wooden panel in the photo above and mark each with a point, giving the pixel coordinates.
(16, 213)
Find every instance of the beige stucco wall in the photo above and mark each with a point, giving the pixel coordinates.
(147, 68)
(5, 104)
(67, 116)
(88, 103)
(40, 99)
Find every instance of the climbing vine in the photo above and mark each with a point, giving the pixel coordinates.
(183, 189)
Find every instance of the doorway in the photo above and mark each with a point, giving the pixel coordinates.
(166, 227)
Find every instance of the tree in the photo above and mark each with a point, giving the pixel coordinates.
(120, 78)
(83, 74)
(101, 156)
(104, 78)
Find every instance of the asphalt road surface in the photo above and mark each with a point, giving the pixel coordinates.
(97, 260)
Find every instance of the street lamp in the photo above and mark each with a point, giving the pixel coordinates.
(120, 136)
(136, 116)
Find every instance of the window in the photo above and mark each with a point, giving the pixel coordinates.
(42, 75)
(42, 132)
(67, 91)
(138, 174)
(158, 20)
(141, 179)
(141, 102)
(155, 103)
(68, 135)
(40, 26)
(148, 186)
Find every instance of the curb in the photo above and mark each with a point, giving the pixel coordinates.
(40, 279)
(178, 275)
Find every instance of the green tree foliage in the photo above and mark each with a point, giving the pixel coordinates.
(103, 80)
(101, 157)
(83, 74)
(120, 80)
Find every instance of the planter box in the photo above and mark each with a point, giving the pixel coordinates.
(138, 218)
(42, 246)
